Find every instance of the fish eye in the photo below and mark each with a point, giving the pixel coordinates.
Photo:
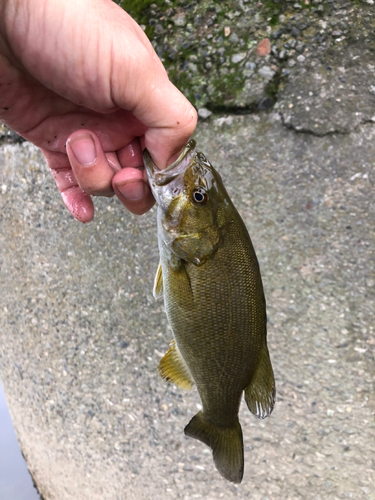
(200, 196)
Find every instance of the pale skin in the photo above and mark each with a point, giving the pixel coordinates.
(81, 81)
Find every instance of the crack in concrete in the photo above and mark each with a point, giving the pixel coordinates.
(324, 134)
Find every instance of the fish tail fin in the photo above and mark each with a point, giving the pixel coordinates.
(226, 444)
(261, 392)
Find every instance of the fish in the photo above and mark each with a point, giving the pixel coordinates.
(214, 300)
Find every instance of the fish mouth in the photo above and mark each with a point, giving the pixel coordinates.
(159, 177)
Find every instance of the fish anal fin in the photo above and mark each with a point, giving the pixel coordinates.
(261, 392)
(172, 368)
(226, 444)
(158, 283)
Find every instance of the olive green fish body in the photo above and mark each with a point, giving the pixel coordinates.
(217, 341)
(209, 276)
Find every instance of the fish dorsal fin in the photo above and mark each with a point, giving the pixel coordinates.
(158, 283)
(260, 393)
(172, 368)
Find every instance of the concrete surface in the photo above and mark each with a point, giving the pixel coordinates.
(81, 335)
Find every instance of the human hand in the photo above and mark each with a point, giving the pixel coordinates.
(82, 82)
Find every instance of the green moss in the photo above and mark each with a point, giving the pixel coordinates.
(201, 40)
(273, 10)
(206, 86)
(273, 86)
(138, 8)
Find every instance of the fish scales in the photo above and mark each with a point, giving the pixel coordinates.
(210, 334)
(209, 276)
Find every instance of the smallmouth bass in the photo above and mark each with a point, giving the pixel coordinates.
(213, 293)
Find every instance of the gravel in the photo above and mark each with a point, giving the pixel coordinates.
(204, 113)
(223, 39)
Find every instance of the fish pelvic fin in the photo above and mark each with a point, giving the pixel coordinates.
(172, 368)
(226, 444)
(158, 283)
(261, 392)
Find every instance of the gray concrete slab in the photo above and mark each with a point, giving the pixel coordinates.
(81, 335)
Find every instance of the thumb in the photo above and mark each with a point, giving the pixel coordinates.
(139, 83)
(173, 121)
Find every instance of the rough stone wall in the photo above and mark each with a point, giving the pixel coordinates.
(318, 63)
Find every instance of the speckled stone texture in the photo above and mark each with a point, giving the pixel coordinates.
(81, 335)
(319, 65)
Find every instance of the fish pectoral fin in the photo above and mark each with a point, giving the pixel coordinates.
(226, 444)
(173, 368)
(158, 283)
(197, 247)
(260, 393)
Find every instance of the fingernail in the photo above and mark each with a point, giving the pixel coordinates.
(132, 191)
(84, 149)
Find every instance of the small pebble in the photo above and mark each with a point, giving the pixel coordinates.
(204, 113)
(234, 38)
(266, 72)
(193, 67)
(295, 32)
(159, 29)
(264, 47)
(236, 58)
(179, 19)
(226, 120)
(250, 65)
(300, 47)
